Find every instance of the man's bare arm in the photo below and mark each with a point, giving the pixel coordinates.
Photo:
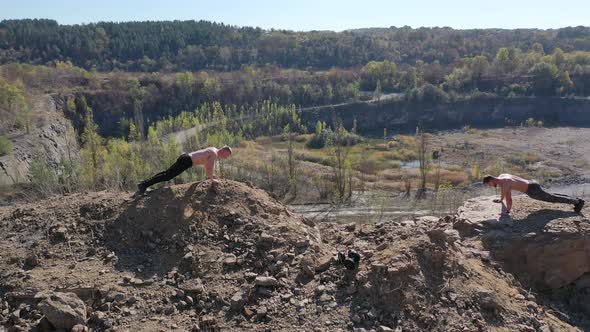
(508, 195)
(210, 167)
(501, 195)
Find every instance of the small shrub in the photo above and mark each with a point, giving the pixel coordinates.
(264, 140)
(382, 147)
(302, 138)
(328, 137)
(531, 122)
(392, 144)
(5, 145)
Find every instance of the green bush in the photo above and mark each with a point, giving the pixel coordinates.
(5, 145)
(328, 137)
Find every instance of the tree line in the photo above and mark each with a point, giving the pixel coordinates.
(196, 45)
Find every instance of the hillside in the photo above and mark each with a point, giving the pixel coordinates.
(189, 257)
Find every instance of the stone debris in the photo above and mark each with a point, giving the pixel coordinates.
(186, 258)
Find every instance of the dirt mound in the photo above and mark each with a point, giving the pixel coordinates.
(233, 223)
(182, 254)
(195, 258)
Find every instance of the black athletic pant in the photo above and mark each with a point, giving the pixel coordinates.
(536, 192)
(183, 163)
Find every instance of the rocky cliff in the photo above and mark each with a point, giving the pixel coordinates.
(400, 115)
(47, 139)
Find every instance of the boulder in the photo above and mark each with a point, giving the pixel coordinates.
(62, 310)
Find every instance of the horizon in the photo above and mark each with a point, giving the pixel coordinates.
(281, 29)
(307, 15)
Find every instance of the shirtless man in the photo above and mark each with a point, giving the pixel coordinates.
(509, 182)
(205, 157)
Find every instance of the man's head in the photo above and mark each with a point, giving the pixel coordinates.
(224, 152)
(489, 180)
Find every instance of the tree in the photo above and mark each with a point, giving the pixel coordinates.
(137, 95)
(93, 151)
(544, 78)
(565, 83)
(424, 162)
(377, 93)
(291, 161)
(558, 57)
(341, 165)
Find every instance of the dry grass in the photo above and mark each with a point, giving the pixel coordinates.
(313, 158)
(399, 174)
(264, 140)
(446, 176)
(382, 147)
(303, 138)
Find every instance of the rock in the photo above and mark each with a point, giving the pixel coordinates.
(169, 310)
(115, 296)
(351, 290)
(350, 227)
(325, 298)
(248, 313)
(111, 257)
(63, 310)
(488, 299)
(193, 287)
(544, 328)
(79, 328)
(238, 299)
(43, 325)
(261, 313)
(230, 260)
(264, 291)
(60, 234)
(307, 267)
(31, 261)
(382, 246)
(324, 264)
(265, 281)
(266, 239)
(97, 317)
(137, 282)
(384, 328)
(441, 235)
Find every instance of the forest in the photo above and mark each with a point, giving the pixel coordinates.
(124, 84)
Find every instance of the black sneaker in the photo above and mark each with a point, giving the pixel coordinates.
(141, 188)
(578, 206)
(356, 258)
(349, 264)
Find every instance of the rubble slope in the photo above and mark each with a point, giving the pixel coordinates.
(196, 258)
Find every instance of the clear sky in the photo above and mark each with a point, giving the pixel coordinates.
(314, 14)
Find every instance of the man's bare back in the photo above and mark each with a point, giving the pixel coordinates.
(513, 182)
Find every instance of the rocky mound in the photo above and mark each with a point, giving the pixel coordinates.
(195, 258)
(545, 245)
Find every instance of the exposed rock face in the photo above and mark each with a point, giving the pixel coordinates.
(400, 115)
(47, 136)
(546, 245)
(62, 310)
